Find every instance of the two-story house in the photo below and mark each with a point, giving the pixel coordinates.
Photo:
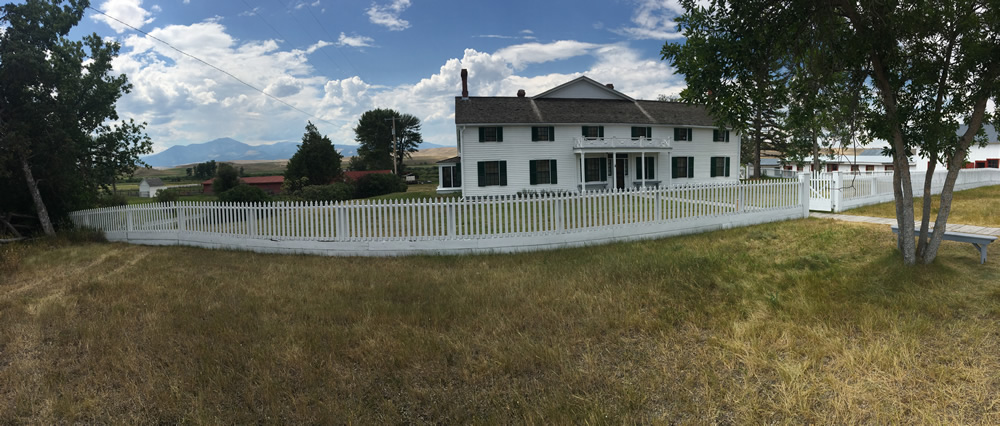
(581, 136)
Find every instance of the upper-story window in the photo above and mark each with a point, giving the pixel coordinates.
(491, 134)
(593, 132)
(543, 133)
(682, 134)
(720, 135)
(642, 132)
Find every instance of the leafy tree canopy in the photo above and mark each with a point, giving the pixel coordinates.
(316, 162)
(374, 134)
(59, 145)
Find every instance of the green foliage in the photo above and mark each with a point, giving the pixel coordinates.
(316, 161)
(226, 178)
(378, 184)
(111, 200)
(59, 143)
(167, 195)
(244, 194)
(205, 170)
(335, 192)
(374, 134)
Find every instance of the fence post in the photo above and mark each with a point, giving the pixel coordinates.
(743, 197)
(836, 194)
(560, 217)
(450, 212)
(128, 221)
(804, 194)
(658, 205)
(180, 217)
(339, 221)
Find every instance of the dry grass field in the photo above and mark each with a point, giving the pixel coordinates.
(808, 321)
(978, 206)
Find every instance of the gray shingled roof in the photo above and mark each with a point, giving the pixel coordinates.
(154, 182)
(511, 110)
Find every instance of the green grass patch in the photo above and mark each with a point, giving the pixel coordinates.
(807, 321)
(978, 206)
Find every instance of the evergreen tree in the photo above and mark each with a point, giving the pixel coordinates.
(316, 162)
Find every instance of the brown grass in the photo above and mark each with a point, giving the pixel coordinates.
(978, 206)
(807, 321)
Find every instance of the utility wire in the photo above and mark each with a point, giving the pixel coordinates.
(212, 66)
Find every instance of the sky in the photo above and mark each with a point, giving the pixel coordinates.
(334, 60)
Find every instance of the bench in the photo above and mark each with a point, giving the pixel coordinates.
(979, 241)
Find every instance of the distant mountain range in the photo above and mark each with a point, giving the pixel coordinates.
(228, 149)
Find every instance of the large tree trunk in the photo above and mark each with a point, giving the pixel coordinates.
(925, 218)
(815, 151)
(43, 213)
(954, 167)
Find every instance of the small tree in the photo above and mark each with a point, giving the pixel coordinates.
(316, 160)
(378, 184)
(225, 179)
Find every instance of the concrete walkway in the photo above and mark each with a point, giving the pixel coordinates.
(969, 229)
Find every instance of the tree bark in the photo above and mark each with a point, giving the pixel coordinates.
(36, 196)
(925, 217)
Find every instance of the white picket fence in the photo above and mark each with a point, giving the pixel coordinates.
(500, 224)
(841, 191)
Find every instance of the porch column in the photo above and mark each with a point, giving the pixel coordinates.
(583, 173)
(614, 170)
(670, 170)
(642, 159)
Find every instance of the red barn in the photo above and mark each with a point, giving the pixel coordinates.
(270, 184)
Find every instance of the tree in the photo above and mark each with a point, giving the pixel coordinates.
(226, 178)
(316, 162)
(205, 170)
(932, 67)
(374, 133)
(57, 144)
(736, 68)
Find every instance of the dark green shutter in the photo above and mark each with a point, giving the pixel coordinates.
(690, 167)
(638, 167)
(604, 169)
(677, 134)
(552, 172)
(600, 131)
(503, 173)
(711, 166)
(649, 132)
(457, 178)
(584, 131)
(673, 168)
(552, 133)
(650, 168)
(727, 166)
(482, 134)
(499, 134)
(482, 173)
(534, 134)
(532, 172)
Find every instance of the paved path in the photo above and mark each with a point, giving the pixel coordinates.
(970, 229)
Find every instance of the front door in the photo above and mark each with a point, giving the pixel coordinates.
(621, 169)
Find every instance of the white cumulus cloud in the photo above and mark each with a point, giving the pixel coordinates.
(654, 19)
(354, 41)
(130, 12)
(388, 15)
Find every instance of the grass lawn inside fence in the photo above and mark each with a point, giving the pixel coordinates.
(807, 321)
(978, 206)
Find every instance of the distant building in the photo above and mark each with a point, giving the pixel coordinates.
(270, 184)
(150, 186)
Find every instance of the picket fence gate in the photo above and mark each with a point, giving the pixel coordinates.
(836, 192)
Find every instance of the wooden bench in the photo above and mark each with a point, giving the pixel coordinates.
(979, 241)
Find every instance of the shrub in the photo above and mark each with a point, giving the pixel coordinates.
(378, 184)
(334, 192)
(111, 200)
(167, 195)
(244, 194)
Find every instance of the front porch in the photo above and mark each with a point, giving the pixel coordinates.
(621, 163)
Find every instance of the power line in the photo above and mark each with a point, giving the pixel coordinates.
(212, 66)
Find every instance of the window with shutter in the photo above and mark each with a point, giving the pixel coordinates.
(683, 167)
(491, 134)
(543, 134)
(682, 134)
(542, 172)
(492, 173)
(720, 135)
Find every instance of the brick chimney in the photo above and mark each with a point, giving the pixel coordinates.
(610, 86)
(520, 93)
(465, 83)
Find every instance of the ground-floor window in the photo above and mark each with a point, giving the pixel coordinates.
(993, 163)
(451, 176)
(720, 166)
(542, 172)
(830, 167)
(645, 171)
(888, 168)
(869, 168)
(492, 173)
(595, 169)
(683, 167)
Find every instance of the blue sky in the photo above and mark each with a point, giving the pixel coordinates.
(336, 59)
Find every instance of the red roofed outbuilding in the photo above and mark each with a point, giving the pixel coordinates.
(355, 175)
(270, 184)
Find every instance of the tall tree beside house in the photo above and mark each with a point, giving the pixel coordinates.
(58, 144)
(737, 68)
(931, 66)
(374, 135)
(316, 162)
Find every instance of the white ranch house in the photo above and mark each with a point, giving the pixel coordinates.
(582, 136)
